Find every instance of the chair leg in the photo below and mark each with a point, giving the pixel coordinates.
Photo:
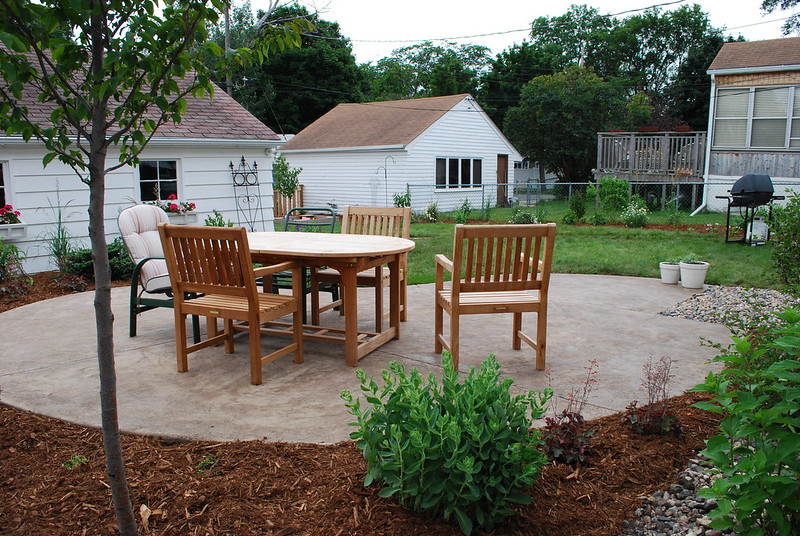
(228, 335)
(254, 333)
(437, 327)
(454, 334)
(541, 338)
(379, 299)
(516, 341)
(133, 306)
(403, 298)
(314, 297)
(297, 333)
(180, 342)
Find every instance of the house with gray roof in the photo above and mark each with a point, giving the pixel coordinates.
(754, 118)
(190, 160)
(439, 149)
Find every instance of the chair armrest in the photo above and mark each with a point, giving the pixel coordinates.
(275, 268)
(135, 275)
(442, 264)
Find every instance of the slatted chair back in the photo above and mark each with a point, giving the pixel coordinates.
(210, 260)
(497, 258)
(379, 221)
(310, 219)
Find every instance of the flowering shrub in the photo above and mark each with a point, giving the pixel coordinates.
(9, 215)
(173, 206)
(634, 215)
(432, 212)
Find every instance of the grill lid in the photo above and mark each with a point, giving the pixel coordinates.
(752, 183)
(752, 190)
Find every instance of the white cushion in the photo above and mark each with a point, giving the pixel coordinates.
(138, 226)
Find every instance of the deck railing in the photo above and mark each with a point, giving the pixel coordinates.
(665, 153)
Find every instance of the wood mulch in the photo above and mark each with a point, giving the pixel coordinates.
(255, 487)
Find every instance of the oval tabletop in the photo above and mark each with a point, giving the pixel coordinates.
(326, 244)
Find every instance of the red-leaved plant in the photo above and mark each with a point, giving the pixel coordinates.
(655, 418)
(565, 438)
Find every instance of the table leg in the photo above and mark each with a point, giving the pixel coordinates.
(350, 301)
(394, 295)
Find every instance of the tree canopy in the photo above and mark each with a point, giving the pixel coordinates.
(558, 118)
(792, 24)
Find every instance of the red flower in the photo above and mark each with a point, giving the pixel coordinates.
(172, 197)
(173, 207)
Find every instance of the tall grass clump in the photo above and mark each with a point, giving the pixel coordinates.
(454, 450)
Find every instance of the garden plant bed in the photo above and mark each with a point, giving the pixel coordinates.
(255, 487)
(259, 487)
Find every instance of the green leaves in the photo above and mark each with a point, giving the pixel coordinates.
(456, 450)
(758, 450)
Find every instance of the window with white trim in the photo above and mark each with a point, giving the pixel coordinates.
(757, 117)
(158, 179)
(459, 172)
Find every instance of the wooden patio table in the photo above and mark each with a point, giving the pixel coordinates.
(349, 254)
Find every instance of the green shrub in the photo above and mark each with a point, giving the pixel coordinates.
(611, 193)
(402, 199)
(463, 450)
(757, 451)
(13, 280)
(786, 239)
(577, 204)
(217, 220)
(598, 218)
(462, 213)
(79, 262)
(570, 218)
(285, 177)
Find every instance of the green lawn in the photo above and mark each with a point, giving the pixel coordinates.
(617, 250)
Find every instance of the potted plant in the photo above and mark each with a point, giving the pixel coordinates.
(670, 271)
(11, 227)
(693, 271)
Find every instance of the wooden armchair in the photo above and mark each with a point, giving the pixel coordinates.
(496, 269)
(216, 262)
(380, 221)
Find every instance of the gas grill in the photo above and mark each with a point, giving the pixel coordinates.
(748, 193)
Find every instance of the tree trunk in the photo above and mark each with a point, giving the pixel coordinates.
(104, 320)
(104, 317)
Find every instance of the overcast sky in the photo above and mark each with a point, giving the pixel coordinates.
(376, 27)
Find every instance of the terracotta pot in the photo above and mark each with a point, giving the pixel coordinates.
(683, 128)
(648, 129)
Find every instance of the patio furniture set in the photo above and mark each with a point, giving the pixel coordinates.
(209, 272)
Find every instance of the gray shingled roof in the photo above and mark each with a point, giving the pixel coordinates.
(373, 124)
(220, 117)
(770, 53)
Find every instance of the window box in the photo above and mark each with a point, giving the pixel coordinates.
(13, 231)
(187, 218)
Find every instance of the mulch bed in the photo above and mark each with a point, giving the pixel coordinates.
(256, 487)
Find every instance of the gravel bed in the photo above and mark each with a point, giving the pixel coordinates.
(679, 511)
(718, 303)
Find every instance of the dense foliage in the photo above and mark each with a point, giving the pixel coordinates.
(78, 262)
(757, 451)
(786, 241)
(580, 103)
(464, 450)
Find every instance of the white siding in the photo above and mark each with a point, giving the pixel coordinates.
(37, 191)
(356, 177)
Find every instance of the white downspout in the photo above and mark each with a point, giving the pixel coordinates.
(709, 137)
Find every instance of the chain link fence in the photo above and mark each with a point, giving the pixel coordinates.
(681, 196)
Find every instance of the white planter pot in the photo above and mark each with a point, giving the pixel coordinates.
(188, 218)
(13, 231)
(670, 272)
(693, 274)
